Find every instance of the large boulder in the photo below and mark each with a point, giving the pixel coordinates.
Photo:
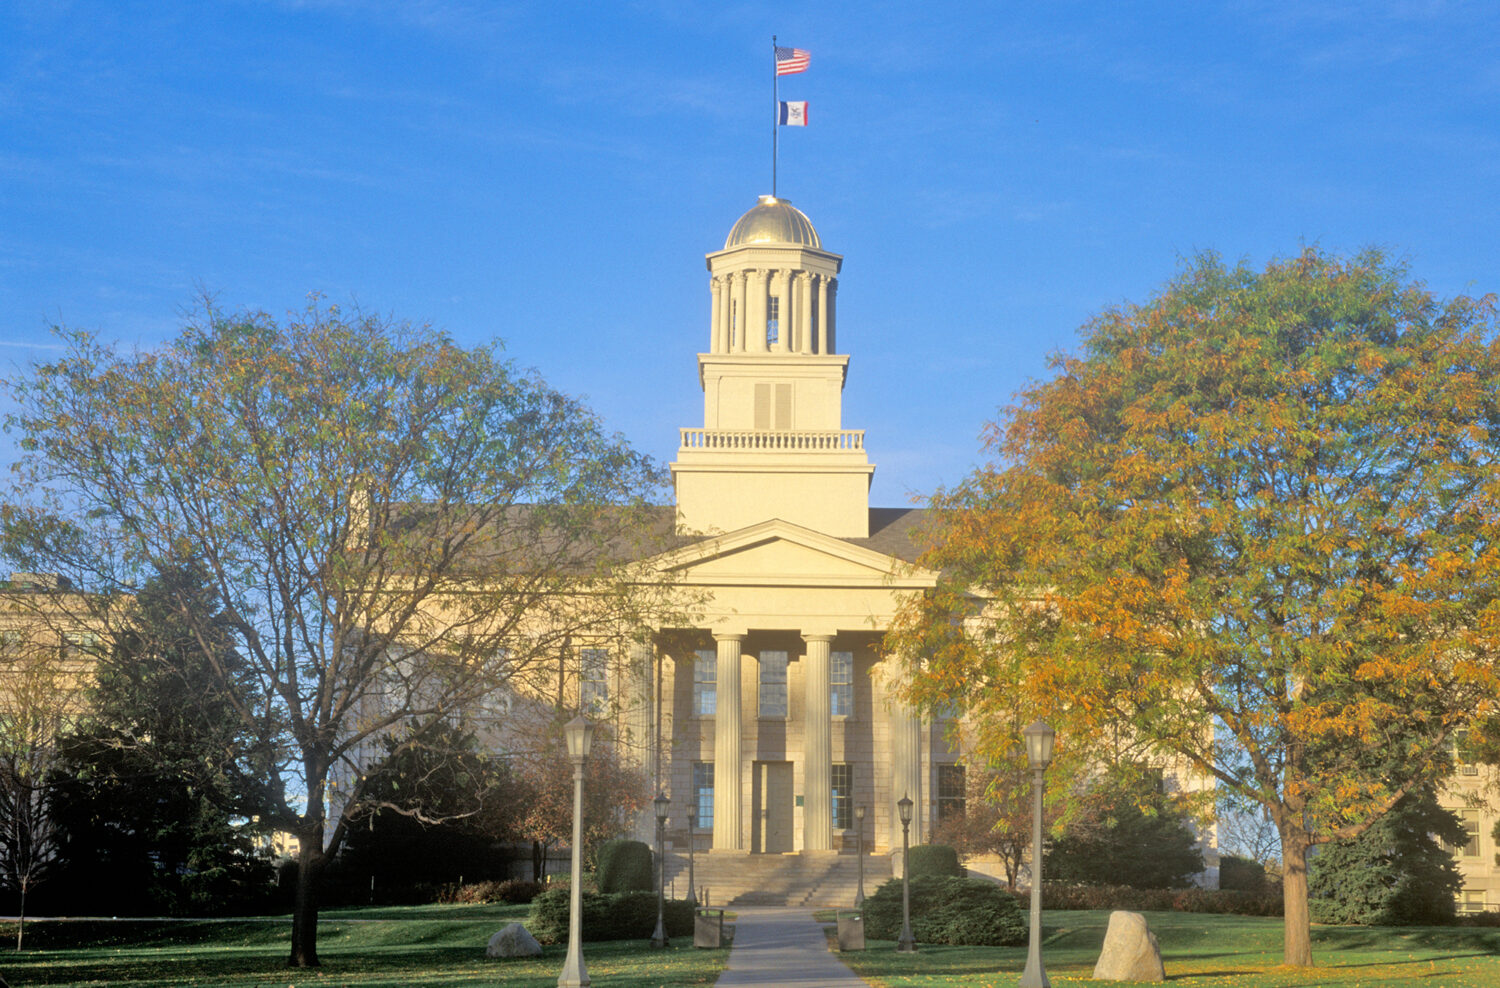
(513, 941)
(1130, 951)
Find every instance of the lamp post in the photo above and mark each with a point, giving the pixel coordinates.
(692, 897)
(907, 944)
(1039, 738)
(580, 735)
(661, 802)
(859, 821)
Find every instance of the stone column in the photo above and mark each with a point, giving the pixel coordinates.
(727, 785)
(823, 314)
(755, 323)
(642, 732)
(832, 314)
(906, 769)
(716, 317)
(804, 312)
(739, 295)
(817, 747)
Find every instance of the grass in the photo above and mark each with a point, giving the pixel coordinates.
(1203, 950)
(369, 948)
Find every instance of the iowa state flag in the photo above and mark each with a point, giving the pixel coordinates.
(794, 114)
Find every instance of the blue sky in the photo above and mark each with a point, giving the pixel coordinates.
(552, 174)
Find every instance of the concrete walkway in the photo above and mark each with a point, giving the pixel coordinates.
(776, 947)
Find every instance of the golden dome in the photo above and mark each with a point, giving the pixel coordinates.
(773, 221)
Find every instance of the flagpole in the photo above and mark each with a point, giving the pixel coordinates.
(775, 114)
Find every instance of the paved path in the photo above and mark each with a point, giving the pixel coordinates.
(783, 948)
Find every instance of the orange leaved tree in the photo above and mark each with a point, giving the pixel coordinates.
(1253, 528)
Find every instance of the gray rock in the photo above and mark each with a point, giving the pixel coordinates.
(1130, 951)
(513, 941)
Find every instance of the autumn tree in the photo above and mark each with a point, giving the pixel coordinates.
(1253, 525)
(395, 526)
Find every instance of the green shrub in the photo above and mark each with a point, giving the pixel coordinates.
(945, 909)
(512, 890)
(1061, 895)
(935, 861)
(1241, 874)
(625, 866)
(607, 916)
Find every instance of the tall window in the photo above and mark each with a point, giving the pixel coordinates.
(951, 791)
(593, 680)
(773, 684)
(843, 796)
(773, 320)
(1470, 818)
(703, 793)
(841, 684)
(705, 682)
(1461, 754)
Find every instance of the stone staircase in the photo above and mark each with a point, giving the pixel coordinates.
(810, 878)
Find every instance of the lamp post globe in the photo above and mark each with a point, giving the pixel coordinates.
(1039, 738)
(661, 804)
(579, 733)
(906, 944)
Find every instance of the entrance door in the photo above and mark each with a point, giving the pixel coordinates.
(773, 810)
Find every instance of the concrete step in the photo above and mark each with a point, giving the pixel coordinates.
(811, 879)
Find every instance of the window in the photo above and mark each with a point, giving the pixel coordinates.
(1471, 827)
(1473, 902)
(843, 796)
(773, 320)
(773, 406)
(705, 685)
(1461, 752)
(593, 682)
(703, 793)
(77, 644)
(951, 792)
(841, 684)
(773, 684)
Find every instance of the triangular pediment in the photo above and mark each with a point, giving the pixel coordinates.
(780, 553)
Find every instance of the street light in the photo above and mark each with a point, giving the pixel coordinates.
(692, 830)
(580, 735)
(859, 821)
(907, 944)
(661, 802)
(1039, 738)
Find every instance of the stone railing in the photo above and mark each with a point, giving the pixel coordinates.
(841, 440)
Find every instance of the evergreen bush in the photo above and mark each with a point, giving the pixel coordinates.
(949, 910)
(607, 916)
(935, 861)
(1241, 874)
(625, 866)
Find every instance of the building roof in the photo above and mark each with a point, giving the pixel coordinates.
(773, 221)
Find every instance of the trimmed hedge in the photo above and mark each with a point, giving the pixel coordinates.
(936, 861)
(1193, 900)
(625, 866)
(607, 916)
(944, 909)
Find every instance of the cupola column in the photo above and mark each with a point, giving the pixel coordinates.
(831, 313)
(804, 312)
(817, 747)
(716, 318)
(737, 315)
(823, 314)
(727, 746)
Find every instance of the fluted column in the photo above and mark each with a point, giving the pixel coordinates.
(726, 312)
(716, 316)
(727, 785)
(641, 734)
(906, 767)
(804, 312)
(831, 314)
(755, 323)
(823, 314)
(817, 747)
(738, 295)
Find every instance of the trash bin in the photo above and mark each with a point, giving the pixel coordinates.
(851, 930)
(708, 928)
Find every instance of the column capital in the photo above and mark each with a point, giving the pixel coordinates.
(817, 636)
(729, 636)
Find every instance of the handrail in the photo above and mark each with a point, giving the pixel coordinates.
(793, 442)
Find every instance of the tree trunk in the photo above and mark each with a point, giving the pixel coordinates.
(310, 862)
(1297, 930)
(21, 922)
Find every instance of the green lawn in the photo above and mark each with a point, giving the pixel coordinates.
(387, 947)
(1208, 950)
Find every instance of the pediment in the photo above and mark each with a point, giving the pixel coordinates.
(779, 553)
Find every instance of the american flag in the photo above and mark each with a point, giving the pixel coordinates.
(791, 60)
